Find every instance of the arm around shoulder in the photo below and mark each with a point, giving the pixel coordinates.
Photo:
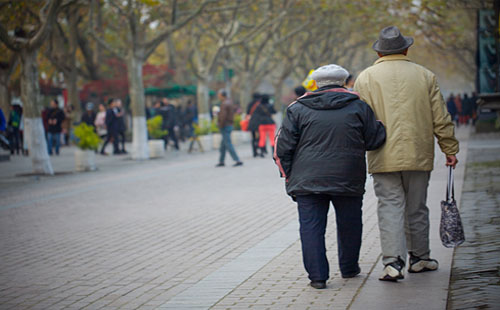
(374, 130)
(444, 129)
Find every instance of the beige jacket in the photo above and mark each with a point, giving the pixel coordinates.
(406, 98)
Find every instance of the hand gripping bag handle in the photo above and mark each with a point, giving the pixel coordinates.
(450, 188)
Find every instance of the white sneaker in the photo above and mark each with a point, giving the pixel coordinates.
(421, 265)
(393, 271)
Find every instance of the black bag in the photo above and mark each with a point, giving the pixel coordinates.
(451, 230)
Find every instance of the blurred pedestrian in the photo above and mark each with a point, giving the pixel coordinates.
(55, 121)
(253, 123)
(406, 98)
(89, 116)
(45, 119)
(458, 104)
(299, 91)
(100, 121)
(121, 127)
(452, 108)
(190, 117)
(3, 122)
(349, 83)
(225, 122)
(4, 142)
(66, 124)
(168, 112)
(112, 128)
(320, 150)
(267, 127)
(468, 108)
(14, 134)
(473, 100)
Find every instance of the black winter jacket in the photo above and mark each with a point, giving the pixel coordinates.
(321, 146)
(263, 115)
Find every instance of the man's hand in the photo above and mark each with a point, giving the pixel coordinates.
(451, 160)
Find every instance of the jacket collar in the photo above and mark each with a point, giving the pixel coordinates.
(392, 57)
(329, 88)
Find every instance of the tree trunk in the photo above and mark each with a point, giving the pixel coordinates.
(72, 74)
(278, 95)
(71, 79)
(203, 97)
(4, 98)
(246, 89)
(140, 148)
(33, 126)
(98, 27)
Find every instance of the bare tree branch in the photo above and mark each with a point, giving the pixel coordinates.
(48, 22)
(105, 45)
(152, 44)
(7, 40)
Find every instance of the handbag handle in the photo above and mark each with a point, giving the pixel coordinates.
(450, 186)
(252, 110)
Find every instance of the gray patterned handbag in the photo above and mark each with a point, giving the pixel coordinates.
(451, 230)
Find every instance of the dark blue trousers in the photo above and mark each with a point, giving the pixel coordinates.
(313, 212)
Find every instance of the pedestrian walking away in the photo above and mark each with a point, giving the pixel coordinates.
(55, 122)
(121, 128)
(100, 121)
(406, 98)
(253, 123)
(267, 127)
(320, 151)
(168, 112)
(89, 116)
(112, 129)
(225, 122)
(13, 128)
(66, 124)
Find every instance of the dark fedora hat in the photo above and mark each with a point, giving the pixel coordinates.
(391, 41)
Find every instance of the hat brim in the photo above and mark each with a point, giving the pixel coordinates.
(409, 42)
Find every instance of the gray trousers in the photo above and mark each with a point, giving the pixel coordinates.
(403, 217)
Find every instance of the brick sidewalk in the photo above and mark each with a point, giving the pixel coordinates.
(172, 233)
(475, 275)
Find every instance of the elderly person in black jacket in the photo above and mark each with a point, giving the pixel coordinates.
(320, 150)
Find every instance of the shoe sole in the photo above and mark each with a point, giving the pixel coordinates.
(423, 270)
(318, 287)
(391, 279)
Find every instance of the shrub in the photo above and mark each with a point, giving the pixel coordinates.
(205, 127)
(236, 123)
(154, 127)
(86, 137)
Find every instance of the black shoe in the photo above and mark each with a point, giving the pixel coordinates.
(124, 152)
(238, 164)
(393, 271)
(351, 274)
(220, 165)
(418, 264)
(104, 153)
(319, 285)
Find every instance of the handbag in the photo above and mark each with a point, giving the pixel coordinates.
(246, 121)
(451, 230)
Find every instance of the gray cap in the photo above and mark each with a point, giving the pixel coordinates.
(90, 106)
(330, 75)
(391, 41)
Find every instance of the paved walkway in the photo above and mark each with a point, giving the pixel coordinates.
(177, 233)
(475, 274)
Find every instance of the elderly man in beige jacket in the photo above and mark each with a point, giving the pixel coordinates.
(406, 98)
